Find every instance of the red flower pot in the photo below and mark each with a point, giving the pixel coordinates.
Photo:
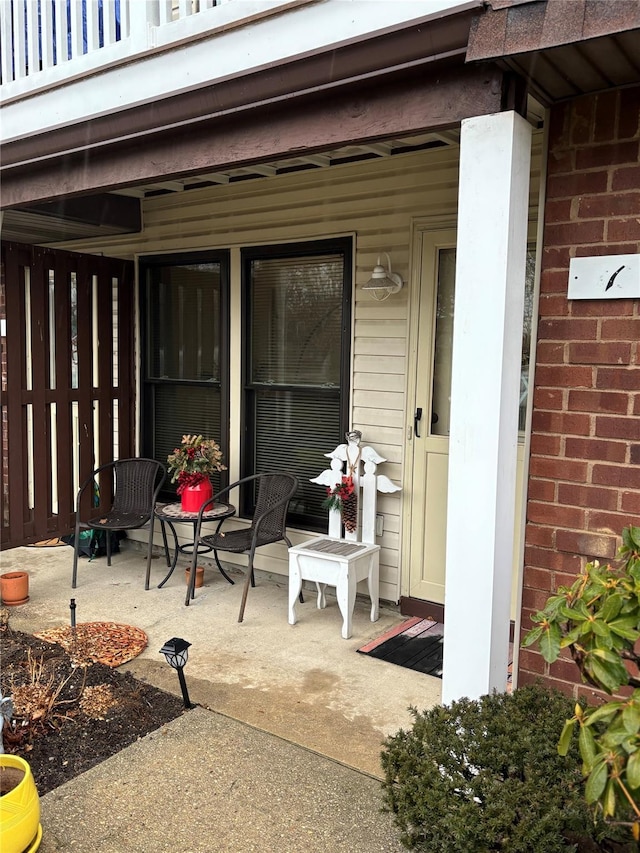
(193, 497)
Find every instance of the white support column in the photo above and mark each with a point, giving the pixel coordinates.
(495, 157)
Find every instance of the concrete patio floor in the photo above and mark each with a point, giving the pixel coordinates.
(302, 683)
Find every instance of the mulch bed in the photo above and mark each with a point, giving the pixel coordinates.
(68, 718)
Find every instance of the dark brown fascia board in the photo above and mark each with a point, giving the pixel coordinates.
(381, 110)
(415, 45)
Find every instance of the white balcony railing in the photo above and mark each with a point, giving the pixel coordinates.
(67, 61)
(37, 36)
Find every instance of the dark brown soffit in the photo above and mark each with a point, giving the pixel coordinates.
(563, 49)
(73, 218)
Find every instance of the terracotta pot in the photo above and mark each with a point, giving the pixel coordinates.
(20, 828)
(199, 576)
(14, 588)
(193, 497)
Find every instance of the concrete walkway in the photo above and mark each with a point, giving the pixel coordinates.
(283, 753)
(206, 783)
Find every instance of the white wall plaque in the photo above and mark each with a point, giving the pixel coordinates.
(605, 277)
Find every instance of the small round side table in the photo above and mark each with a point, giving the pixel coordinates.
(172, 514)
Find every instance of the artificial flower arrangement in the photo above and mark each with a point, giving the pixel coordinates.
(343, 499)
(194, 461)
(337, 495)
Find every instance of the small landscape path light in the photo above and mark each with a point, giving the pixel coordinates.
(74, 637)
(176, 651)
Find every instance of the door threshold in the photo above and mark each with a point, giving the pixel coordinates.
(431, 610)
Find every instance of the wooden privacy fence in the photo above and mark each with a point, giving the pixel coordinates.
(67, 382)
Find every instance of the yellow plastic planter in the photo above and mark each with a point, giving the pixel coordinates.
(20, 830)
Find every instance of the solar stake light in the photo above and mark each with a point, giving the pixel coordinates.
(176, 652)
(74, 637)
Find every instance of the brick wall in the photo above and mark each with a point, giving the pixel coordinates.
(584, 484)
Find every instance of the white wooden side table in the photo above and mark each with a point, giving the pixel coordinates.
(339, 563)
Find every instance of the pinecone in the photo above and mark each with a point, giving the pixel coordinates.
(350, 512)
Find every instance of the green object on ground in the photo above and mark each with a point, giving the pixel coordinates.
(485, 775)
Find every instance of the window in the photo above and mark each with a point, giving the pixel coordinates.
(297, 321)
(185, 346)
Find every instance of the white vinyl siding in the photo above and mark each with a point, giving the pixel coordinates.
(375, 201)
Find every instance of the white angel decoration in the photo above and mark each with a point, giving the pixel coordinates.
(343, 481)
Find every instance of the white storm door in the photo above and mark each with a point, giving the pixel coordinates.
(430, 439)
(430, 434)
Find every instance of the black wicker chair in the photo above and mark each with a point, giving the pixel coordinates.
(268, 525)
(129, 487)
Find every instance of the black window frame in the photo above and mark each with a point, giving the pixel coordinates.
(331, 246)
(148, 385)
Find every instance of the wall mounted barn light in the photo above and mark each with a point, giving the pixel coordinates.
(383, 282)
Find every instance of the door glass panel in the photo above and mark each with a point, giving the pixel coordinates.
(441, 399)
(526, 336)
(443, 347)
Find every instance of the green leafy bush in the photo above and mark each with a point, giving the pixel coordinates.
(598, 620)
(484, 775)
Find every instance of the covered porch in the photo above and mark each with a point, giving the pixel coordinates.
(388, 198)
(374, 158)
(303, 683)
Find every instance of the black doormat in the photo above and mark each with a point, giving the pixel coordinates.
(420, 651)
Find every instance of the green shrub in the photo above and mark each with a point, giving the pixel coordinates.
(598, 620)
(484, 775)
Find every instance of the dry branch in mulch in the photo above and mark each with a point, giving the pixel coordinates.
(68, 716)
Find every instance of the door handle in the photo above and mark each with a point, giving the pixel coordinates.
(416, 422)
